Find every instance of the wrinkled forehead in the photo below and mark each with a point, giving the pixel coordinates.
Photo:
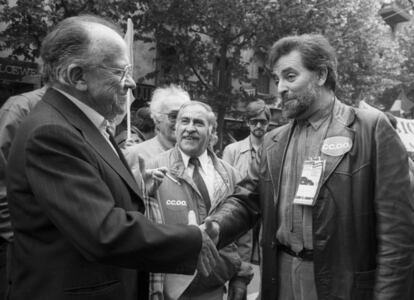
(260, 116)
(285, 63)
(194, 112)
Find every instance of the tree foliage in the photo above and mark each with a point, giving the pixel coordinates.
(28, 21)
(200, 43)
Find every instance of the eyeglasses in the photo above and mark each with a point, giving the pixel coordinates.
(127, 71)
(254, 122)
(172, 115)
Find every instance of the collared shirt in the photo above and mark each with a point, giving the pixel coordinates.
(96, 118)
(295, 221)
(207, 171)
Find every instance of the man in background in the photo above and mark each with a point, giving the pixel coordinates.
(240, 155)
(12, 113)
(165, 103)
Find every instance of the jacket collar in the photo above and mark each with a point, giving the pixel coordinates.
(177, 168)
(342, 117)
(245, 145)
(91, 134)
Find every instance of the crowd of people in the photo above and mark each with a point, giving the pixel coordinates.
(324, 202)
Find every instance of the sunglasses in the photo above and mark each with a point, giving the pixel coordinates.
(254, 122)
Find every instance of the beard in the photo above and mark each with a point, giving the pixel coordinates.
(295, 105)
(258, 133)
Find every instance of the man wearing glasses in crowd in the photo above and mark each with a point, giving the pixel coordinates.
(165, 103)
(240, 155)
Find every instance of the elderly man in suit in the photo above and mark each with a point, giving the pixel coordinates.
(76, 210)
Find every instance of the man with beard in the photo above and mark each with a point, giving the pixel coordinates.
(76, 210)
(331, 187)
(240, 154)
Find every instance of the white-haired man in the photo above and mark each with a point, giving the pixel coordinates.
(165, 103)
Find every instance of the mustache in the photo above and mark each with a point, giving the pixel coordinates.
(191, 135)
(287, 97)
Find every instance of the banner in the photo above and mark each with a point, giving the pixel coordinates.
(405, 129)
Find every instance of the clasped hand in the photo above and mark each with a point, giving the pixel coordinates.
(209, 255)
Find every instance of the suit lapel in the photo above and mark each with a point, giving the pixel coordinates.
(343, 116)
(91, 134)
(275, 157)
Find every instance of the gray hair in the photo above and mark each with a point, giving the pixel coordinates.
(161, 94)
(68, 43)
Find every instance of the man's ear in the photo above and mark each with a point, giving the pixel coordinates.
(76, 77)
(322, 76)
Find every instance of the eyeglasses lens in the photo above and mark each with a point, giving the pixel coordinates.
(172, 116)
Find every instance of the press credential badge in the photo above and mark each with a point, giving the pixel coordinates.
(309, 182)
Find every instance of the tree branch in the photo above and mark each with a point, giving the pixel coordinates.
(202, 81)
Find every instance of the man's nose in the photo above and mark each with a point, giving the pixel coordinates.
(190, 127)
(130, 83)
(281, 87)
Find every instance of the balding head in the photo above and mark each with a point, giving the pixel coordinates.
(76, 40)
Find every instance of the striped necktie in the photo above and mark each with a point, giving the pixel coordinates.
(201, 185)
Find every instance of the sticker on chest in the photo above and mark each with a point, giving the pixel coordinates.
(176, 204)
(336, 146)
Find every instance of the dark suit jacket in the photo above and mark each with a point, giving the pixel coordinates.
(77, 214)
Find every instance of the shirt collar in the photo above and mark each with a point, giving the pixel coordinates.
(96, 118)
(317, 119)
(203, 158)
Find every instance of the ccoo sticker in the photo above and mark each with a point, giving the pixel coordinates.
(336, 146)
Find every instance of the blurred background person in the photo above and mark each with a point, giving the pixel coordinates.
(165, 103)
(241, 154)
(142, 128)
(12, 113)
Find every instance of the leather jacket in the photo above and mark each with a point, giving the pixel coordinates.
(362, 220)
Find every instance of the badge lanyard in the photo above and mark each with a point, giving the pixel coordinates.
(312, 173)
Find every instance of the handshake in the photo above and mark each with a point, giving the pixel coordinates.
(208, 257)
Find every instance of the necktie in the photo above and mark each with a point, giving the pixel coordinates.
(201, 185)
(118, 151)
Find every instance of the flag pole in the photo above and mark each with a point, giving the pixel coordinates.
(129, 39)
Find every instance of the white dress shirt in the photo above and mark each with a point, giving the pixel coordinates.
(207, 171)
